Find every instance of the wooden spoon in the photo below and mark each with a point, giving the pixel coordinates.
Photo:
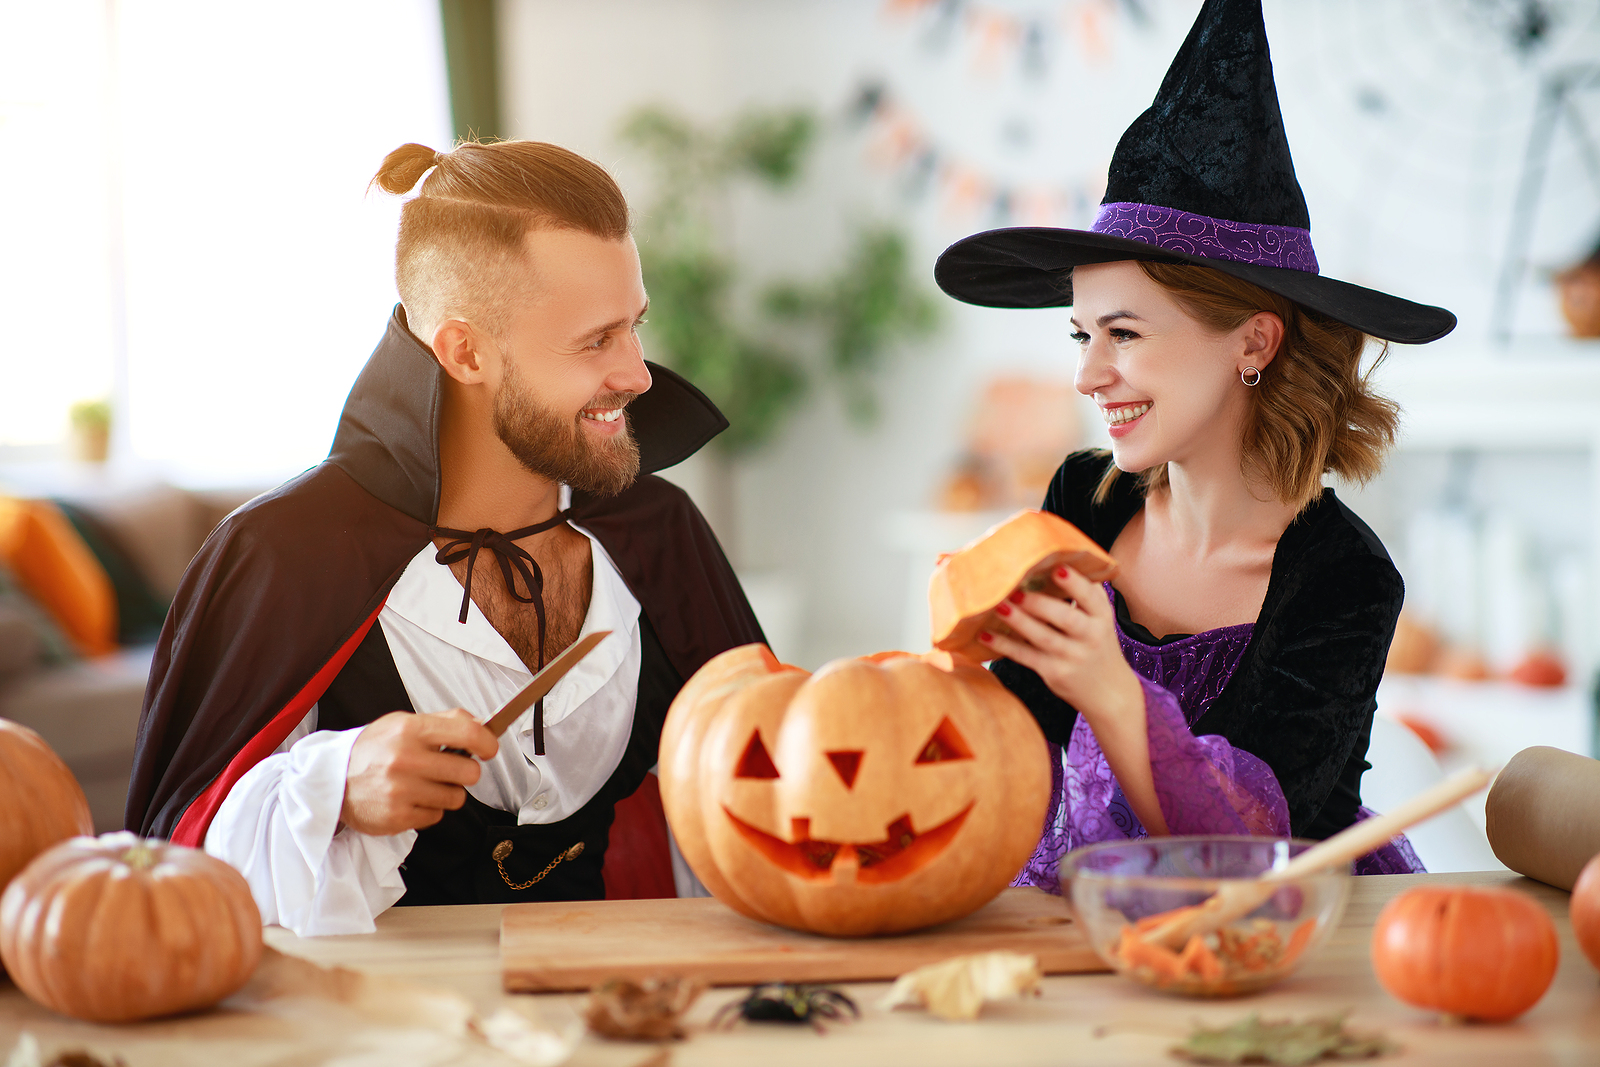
(1236, 899)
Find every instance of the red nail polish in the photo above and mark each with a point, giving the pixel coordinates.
(1061, 572)
(1003, 608)
(986, 637)
(1016, 596)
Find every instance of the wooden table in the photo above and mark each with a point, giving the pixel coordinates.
(1099, 1019)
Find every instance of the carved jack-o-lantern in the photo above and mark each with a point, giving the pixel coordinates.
(879, 795)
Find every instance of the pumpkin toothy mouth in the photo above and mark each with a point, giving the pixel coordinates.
(902, 851)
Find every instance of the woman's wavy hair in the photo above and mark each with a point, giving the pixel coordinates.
(462, 236)
(1314, 411)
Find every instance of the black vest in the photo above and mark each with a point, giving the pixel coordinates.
(454, 861)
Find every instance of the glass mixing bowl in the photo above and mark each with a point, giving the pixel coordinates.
(1130, 896)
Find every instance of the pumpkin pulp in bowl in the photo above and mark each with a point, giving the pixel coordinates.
(1122, 891)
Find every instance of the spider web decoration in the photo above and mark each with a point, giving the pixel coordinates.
(1446, 147)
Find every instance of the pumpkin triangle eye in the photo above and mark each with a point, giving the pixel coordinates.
(755, 763)
(945, 744)
(848, 764)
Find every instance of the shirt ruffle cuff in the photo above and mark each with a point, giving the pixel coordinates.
(279, 826)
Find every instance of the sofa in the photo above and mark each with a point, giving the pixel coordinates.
(85, 702)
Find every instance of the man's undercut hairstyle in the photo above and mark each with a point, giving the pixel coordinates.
(461, 250)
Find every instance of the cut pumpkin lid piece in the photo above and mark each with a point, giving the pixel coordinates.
(1022, 551)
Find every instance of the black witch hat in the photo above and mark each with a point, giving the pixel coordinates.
(1204, 176)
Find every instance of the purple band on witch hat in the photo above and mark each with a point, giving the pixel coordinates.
(1202, 235)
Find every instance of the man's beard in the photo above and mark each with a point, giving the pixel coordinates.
(554, 446)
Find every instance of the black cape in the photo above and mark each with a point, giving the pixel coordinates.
(1304, 693)
(287, 589)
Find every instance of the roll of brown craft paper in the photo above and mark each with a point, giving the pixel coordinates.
(1544, 814)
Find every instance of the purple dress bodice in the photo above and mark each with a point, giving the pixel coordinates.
(1204, 784)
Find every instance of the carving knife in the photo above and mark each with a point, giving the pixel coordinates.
(542, 683)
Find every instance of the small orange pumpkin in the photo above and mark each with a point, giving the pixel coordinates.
(879, 795)
(1585, 910)
(1022, 551)
(1475, 953)
(41, 802)
(115, 929)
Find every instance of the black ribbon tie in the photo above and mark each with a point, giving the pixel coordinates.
(514, 562)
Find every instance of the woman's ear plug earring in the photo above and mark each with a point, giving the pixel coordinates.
(1250, 376)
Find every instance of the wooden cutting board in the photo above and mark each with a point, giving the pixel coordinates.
(575, 945)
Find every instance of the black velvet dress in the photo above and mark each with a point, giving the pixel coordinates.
(1303, 695)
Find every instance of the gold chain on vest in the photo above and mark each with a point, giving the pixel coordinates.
(503, 849)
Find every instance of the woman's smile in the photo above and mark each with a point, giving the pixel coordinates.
(1120, 418)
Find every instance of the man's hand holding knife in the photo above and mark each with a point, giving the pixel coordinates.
(407, 770)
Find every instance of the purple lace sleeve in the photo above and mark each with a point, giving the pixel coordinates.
(1396, 856)
(1204, 784)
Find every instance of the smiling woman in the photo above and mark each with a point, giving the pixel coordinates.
(1224, 681)
(1315, 411)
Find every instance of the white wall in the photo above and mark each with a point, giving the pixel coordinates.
(1408, 124)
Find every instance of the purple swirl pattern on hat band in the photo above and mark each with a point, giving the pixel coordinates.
(1202, 235)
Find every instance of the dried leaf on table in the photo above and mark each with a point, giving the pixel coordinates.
(525, 1041)
(401, 1005)
(1283, 1042)
(958, 988)
(385, 1000)
(641, 1011)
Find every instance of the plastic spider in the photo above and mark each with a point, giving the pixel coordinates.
(787, 1002)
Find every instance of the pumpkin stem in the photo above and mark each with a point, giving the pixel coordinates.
(141, 856)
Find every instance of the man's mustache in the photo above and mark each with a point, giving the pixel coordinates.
(610, 400)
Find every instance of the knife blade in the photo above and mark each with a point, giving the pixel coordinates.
(541, 684)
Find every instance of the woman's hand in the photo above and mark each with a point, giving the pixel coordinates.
(1072, 645)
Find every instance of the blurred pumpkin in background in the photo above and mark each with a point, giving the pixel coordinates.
(1464, 664)
(1415, 648)
(1580, 296)
(1541, 668)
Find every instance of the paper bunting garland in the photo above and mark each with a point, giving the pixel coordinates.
(967, 194)
(1030, 40)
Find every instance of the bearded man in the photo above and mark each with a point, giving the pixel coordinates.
(488, 500)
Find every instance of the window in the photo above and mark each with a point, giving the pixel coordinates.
(187, 224)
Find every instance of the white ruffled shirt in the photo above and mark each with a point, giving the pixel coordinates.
(279, 825)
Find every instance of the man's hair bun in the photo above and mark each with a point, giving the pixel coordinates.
(462, 247)
(405, 166)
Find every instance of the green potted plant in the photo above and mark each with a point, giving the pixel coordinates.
(839, 329)
(91, 430)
